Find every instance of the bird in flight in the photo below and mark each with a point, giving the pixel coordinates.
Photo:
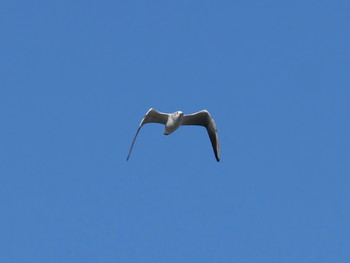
(173, 121)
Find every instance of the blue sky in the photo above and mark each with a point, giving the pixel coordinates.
(77, 78)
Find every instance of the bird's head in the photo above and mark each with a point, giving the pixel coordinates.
(177, 115)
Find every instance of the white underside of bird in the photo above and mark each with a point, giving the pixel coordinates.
(173, 121)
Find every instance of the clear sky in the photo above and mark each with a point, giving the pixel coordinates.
(77, 78)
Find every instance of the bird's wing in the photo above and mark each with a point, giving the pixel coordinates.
(203, 118)
(151, 116)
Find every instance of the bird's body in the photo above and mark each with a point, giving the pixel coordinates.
(173, 121)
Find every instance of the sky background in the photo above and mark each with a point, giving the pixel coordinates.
(76, 78)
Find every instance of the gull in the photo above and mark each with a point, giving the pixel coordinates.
(173, 121)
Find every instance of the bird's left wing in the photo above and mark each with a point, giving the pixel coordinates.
(151, 116)
(203, 118)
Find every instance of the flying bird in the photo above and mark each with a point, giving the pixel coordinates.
(173, 121)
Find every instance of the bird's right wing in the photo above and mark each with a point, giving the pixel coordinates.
(151, 116)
